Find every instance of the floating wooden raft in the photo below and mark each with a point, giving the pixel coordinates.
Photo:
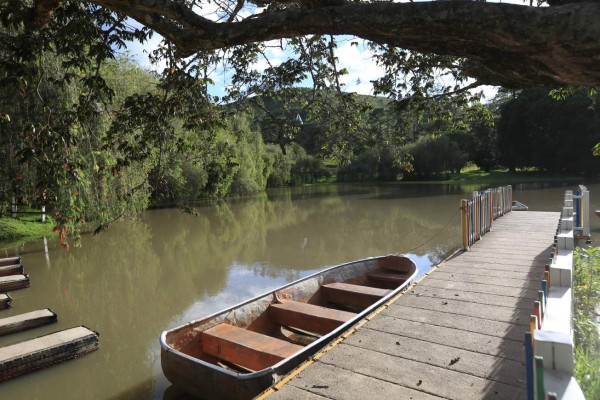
(45, 351)
(10, 261)
(5, 301)
(16, 269)
(21, 322)
(13, 282)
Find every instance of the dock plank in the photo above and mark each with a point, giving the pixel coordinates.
(484, 289)
(437, 318)
(473, 297)
(333, 382)
(453, 337)
(459, 307)
(468, 277)
(418, 376)
(459, 360)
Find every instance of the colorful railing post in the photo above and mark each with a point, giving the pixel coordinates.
(529, 364)
(581, 201)
(478, 213)
(464, 217)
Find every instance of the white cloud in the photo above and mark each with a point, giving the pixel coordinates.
(362, 69)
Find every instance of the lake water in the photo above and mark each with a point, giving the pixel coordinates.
(144, 276)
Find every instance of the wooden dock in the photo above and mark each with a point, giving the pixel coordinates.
(457, 334)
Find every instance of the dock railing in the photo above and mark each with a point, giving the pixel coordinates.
(478, 213)
(549, 358)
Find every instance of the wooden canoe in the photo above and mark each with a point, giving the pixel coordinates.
(239, 352)
(518, 206)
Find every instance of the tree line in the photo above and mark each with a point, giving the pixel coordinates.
(116, 155)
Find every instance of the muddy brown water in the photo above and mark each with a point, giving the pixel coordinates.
(150, 274)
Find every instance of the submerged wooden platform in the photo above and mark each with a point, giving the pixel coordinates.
(15, 269)
(22, 322)
(457, 334)
(45, 351)
(10, 261)
(13, 282)
(5, 301)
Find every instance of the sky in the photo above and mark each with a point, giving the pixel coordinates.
(356, 59)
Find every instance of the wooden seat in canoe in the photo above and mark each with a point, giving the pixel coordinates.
(352, 295)
(395, 279)
(308, 317)
(395, 263)
(245, 348)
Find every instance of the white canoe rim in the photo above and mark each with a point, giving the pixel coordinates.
(206, 379)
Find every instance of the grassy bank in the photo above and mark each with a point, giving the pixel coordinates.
(586, 286)
(502, 176)
(24, 228)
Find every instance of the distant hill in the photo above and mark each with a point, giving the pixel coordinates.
(268, 113)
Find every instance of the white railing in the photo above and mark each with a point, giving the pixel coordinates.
(549, 358)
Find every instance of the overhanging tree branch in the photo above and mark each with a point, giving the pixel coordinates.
(510, 45)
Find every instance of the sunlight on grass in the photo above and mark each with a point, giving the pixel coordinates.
(24, 228)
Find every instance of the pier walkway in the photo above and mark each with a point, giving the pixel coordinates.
(457, 334)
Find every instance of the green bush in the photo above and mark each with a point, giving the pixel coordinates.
(377, 164)
(434, 155)
(586, 299)
(308, 169)
(281, 172)
(255, 165)
(294, 167)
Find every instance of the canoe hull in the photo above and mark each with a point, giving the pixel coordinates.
(207, 380)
